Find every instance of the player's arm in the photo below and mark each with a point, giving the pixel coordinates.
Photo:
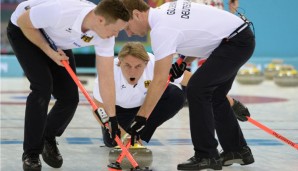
(105, 71)
(155, 91)
(157, 86)
(34, 35)
(106, 83)
(186, 77)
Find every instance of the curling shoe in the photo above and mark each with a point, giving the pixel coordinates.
(51, 154)
(195, 163)
(31, 162)
(242, 157)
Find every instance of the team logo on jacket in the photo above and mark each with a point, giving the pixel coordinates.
(147, 83)
(68, 30)
(86, 38)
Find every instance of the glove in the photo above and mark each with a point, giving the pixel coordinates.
(241, 112)
(177, 70)
(136, 128)
(114, 129)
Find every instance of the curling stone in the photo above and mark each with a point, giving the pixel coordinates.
(142, 155)
(271, 70)
(250, 74)
(286, 78)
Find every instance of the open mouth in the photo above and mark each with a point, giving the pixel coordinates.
(132, 79)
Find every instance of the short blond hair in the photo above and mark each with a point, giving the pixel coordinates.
(112, 10)
(135, 49)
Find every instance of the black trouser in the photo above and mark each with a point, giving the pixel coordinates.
(46, 78)
(209, 109)
(169, 105)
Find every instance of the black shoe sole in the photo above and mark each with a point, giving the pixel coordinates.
(26, 168)
(248, 161)
(51, 162)
(242, 162)
(196, 168)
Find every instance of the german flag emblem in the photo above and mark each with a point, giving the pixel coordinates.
(86, 38)
(147, 83)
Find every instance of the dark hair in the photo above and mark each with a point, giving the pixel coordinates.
(139, 5)
(112, 10)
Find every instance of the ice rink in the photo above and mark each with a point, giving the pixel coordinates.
(82, 148)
